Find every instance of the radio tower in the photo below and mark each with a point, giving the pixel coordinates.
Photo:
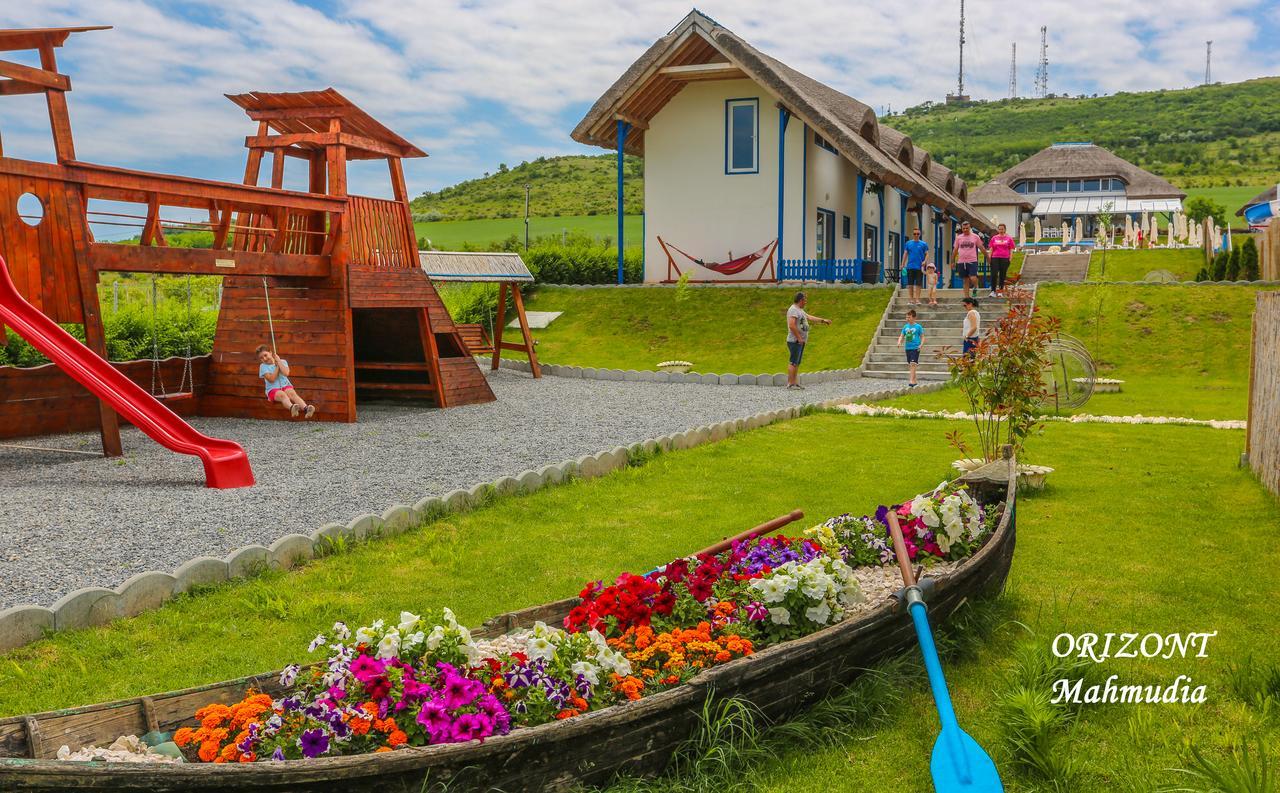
(1042, 72)
(1013, 72)
(1208, 53)
(959, 95)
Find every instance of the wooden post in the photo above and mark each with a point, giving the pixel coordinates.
(59, 117)
(431, 354)
(95, 337)
(524, 330)
(497, 327)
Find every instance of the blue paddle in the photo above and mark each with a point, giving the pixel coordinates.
(959, 764)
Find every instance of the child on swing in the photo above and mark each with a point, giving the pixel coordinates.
(274, 371)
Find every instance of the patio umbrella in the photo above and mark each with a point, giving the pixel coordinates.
(1064, 232)
(1038, 230)
(1155, 231)
(1169, 235)
(1079, 230)
(1022, 235)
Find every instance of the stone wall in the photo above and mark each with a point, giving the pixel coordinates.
(1264, 391)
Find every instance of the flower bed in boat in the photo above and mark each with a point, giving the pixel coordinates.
(422, 681)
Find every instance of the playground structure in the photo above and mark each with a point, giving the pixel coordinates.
(332, 278)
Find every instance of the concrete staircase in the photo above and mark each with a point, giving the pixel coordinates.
(1040, 267)
(943, 326)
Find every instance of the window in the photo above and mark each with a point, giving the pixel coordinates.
(825, 245)
(1044, 187)
(742, 136)
(895, 250)
(1020, 187)
(1092, 185)
(1074, 186)
(844, 226)
(870, 243)
(822, 143)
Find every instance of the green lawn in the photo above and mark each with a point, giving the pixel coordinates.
(1181, 350)
(1184, 263)
(1231, 198)
(452, 234)
(1129, 536)
(738, 331)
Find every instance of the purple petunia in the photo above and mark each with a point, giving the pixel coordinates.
(314, 743)
(365, 668)
(469, 726)
(458, 691)
(434, 718)
(278, 754)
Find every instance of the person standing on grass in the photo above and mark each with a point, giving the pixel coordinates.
(797, 336)
(911, 337)
(914, 253)
(966, 247)
(972, 326)
(1000, 250)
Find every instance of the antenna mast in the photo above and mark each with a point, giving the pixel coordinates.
(1208, 54)
(1013, 72)
(1042, 72)
(959, 95)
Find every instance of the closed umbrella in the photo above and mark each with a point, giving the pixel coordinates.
(1064, 232)
(1079, 230)
(1169, 236)
(1155, 231)
(1022, 235)
(1039, 230)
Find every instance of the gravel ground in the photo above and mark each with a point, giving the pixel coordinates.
(68, 521)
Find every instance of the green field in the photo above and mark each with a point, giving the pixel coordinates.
(737, 331)
(483, 234)
(1181, 350)
(1184, 263)
(1231, 198)
(1129, 536)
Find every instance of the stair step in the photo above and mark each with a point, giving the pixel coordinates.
(903, 374)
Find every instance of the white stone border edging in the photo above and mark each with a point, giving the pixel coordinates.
(710, 378)
(95, 606)
(863, 409)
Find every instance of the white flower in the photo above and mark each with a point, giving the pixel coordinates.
(464, 634)
(449, 619)
(819, 613)
(588, 671)
(390, 644)
(340, 631)
(770, 589)
(377, 625)
(272, 725)
(408, 621)
(540, 647)
(780, 616)
(414, 639)
(288, 675)
(435, 637)
(316, 643)
(364, 636)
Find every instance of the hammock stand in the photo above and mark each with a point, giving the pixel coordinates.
(731, 267)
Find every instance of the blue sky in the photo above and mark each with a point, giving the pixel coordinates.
(479, 82)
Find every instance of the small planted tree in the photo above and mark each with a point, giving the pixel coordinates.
(1104, 225)
(1233, 265)
(1003, 379)
(1249, 266)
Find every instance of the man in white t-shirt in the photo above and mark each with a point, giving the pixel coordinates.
(797, 336)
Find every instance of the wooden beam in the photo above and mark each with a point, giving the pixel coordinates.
(59, 116)
(115, 257)
(183, 190)
(332, 111)
(534, 367)
(15, 87)
(291, 139)
(369, 144)
(636, 123)
(46, 78)
(703, 71)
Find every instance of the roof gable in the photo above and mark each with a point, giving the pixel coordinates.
(1085, 161)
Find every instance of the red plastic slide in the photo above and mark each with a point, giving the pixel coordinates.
(225, 463)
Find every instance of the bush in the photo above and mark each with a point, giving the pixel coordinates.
(1218, 271)
(1233, 265)
(583, 264)
(1249, 266)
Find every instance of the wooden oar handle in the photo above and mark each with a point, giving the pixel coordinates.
(900, 549)
(768, 527)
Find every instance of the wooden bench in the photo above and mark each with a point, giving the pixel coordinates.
(475, 338)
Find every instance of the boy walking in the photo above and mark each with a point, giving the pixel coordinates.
(274, 371)
(914, 252)
(797, 336)
(911, 338)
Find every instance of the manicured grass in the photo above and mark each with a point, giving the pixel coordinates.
(1141, 529)
(1231, 198)
(1181, 350)
(739, 331)
(1184, 263)
(452, 234)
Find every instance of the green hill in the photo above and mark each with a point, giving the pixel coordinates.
(559, 186)
(1224, 134)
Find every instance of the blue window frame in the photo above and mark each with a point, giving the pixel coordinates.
(741, 136)
(845, 223)
(822, 143)
(1091, 185)
(1020, 187)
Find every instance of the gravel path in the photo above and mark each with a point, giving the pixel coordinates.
(68, 521)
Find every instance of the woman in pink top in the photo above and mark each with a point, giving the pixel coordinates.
(966, 247)
(1000, 250)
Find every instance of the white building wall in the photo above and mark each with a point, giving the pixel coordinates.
(1008, 214)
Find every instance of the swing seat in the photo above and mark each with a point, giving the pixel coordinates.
(175, 396)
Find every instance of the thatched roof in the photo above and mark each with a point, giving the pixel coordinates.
(1087, 161)
(467, 266)
(1265, 197)
(995, 193)
(882, 153)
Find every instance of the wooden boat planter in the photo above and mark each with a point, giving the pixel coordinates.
(637, 738)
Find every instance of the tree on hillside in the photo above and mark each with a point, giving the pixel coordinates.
(1200, 207)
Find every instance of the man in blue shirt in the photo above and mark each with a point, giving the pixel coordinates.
(914, 254)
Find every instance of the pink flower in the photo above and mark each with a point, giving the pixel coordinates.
(756, 611)
(366, 668)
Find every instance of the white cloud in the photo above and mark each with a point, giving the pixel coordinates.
(478, 82)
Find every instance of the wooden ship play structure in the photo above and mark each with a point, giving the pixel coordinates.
(332, 279)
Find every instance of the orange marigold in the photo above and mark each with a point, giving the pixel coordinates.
(382, 749)
(359, 726)
(208, 751)
(184, 736)
(397, 738)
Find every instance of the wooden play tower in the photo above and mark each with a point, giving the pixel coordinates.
(349, 305)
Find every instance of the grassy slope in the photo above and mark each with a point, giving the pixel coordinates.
(1198, 136)
(1095, 554)
(1181, 350)
(739, 331)
(1134, 265)
(453, 234)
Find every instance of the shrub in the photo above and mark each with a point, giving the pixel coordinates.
(1218, 271)
(1233, 265)
(1249, 266)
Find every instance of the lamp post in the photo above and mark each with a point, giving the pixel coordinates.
(526, 216)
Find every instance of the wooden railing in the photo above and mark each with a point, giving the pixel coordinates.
(380, 233)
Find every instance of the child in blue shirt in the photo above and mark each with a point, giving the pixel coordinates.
(912, 337)
(274, 371)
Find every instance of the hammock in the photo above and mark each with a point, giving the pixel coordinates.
(731, 267)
